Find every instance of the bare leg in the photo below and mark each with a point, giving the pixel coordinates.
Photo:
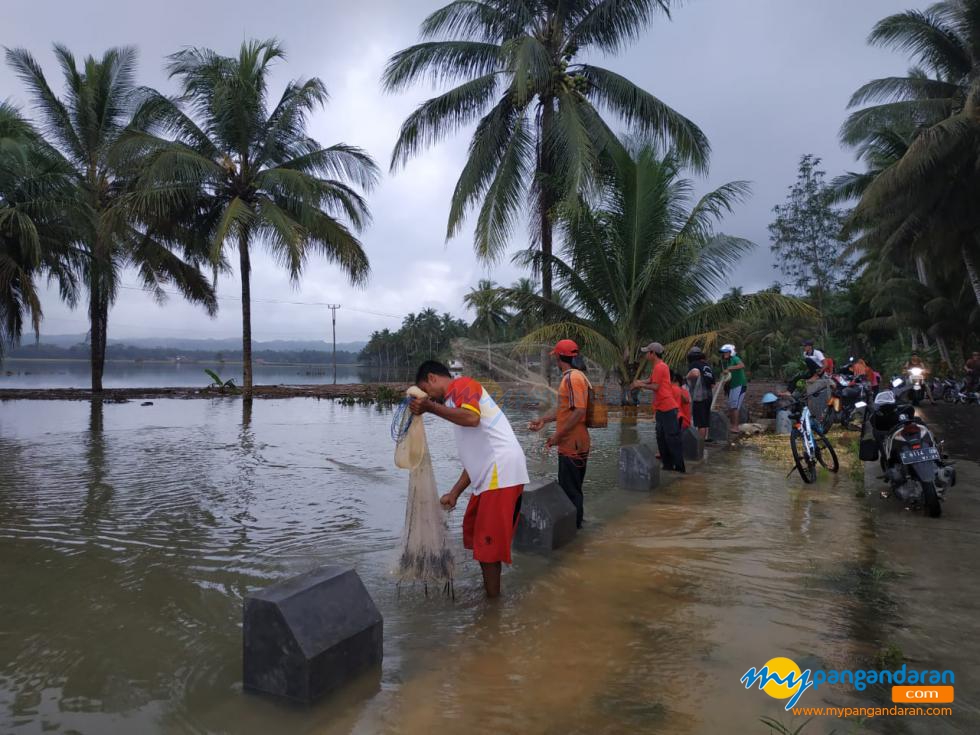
(491, 578)
(733, 419)
(703, 431)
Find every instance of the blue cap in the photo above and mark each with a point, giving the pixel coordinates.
(770, 398)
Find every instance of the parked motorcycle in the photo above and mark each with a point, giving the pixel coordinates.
(842, 406)
(912, 460)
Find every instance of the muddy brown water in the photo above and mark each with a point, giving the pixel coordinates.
(129, 536)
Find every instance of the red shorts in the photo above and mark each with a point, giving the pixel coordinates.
(490, 522)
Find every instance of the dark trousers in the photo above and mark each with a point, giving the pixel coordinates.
(571, 476)
(669, 440)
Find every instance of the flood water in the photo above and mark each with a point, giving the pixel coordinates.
(129, 536)
(76, 374)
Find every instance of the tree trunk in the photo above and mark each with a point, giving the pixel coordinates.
(920, 266)
(971, 272)
(246, 318)
(546, 201)
(98, 314)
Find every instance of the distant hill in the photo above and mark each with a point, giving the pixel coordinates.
(203, 345)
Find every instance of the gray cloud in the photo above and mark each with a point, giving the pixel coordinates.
(768, 80)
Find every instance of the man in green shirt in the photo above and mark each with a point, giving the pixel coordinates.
(734, 367)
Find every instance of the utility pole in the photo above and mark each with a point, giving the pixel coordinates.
(333, 313)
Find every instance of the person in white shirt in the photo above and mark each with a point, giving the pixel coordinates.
(494, 465)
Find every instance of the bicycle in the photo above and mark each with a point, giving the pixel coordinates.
(809, 444)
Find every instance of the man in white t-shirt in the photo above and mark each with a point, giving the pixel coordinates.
(494, 466)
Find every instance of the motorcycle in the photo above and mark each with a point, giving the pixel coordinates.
(917, 384)
(842, 403)
(912, 460)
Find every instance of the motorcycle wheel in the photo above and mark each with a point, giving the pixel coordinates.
(806, 467)
(824, 446)
(933, 506)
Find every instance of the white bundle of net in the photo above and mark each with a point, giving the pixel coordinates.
(425, 555)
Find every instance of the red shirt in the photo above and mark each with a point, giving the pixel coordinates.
(663, 399)
(683, 398)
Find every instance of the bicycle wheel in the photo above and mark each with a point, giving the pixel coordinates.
(825, 452)
(805, 464)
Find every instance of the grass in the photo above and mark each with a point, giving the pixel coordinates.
(890, 657)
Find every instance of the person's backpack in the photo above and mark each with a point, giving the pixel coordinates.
(596, 412)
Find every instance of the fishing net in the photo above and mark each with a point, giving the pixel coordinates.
(425, 554)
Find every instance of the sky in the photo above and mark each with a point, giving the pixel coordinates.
(767, 81)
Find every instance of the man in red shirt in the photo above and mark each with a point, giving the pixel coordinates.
(494, 467)
(571, 434)
(666, 408)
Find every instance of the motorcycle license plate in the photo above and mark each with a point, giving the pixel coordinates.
(924, 454)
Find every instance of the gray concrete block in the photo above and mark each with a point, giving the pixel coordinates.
(784, 424)
(720, 428)
(743, 413)
(639, 468)
(311, 634)
(547, 519)
(693, 445)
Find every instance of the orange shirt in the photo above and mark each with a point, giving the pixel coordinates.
(663, 399)
(683, 398)
(573, 392)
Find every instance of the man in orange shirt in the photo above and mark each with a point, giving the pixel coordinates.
(666, 407)
(683, 397)
(571, 434)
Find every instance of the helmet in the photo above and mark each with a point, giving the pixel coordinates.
(727, 348)
(695, 352)
(808, 343)
(885, 398)
(769, 398)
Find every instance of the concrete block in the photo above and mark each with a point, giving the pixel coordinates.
(720, 428)
(783, 422)
(547, 519)
(639, 468)
(743, 413)
(310, 634)
(693, 445)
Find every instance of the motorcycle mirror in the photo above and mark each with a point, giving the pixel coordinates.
(896, 382)
(860, 404)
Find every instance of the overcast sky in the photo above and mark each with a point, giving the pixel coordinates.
(767, 80)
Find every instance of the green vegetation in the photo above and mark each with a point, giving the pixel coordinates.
(236, 172)
(878, 262)
(223, 386)
(81, 201)
(540, 138)
(643, 262)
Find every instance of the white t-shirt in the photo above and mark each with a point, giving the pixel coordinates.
(490, 452)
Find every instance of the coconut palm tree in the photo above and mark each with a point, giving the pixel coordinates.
(250, 174)
(642, 263)
(85, 130)
(489, 302)
(540, 134)
(931, 192)
(35, 215)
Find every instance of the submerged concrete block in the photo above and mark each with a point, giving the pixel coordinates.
(784, 424)
(639, 468)
(720, 427)
(693, 445)
(547, 520)
(310, 634)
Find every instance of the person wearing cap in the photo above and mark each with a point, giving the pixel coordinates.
(571, 434)
(666, 408)
(734, 366)
(700, 381)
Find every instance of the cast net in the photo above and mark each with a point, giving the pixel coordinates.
(425, 554)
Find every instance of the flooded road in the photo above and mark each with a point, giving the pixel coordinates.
(129, 536)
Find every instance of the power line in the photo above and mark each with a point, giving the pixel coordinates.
(270, 301)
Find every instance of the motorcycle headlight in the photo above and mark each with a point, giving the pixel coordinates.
(916, 372)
